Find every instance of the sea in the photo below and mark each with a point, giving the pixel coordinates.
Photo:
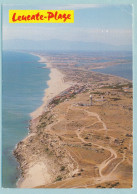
(122, 70)
(23, 83)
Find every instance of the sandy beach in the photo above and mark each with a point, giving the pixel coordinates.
(36, 175)
(56, 85)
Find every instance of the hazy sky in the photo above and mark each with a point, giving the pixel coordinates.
(92, 23)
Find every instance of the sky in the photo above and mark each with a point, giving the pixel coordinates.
(111, 24)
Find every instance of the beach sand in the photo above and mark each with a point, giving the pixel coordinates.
(56, 85)
(37, 175)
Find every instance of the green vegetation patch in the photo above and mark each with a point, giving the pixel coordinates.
(62, 168)
(45, 119)
(59, 178)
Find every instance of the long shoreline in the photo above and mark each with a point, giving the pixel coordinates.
(56, 85)
(33, 175)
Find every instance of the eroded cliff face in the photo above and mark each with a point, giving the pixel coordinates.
(45, 146)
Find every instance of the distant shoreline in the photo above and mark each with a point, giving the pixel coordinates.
(103, 69)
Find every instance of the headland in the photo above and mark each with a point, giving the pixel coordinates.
(73, 142)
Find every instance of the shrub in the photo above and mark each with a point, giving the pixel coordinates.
(59, 178)
(62, 168)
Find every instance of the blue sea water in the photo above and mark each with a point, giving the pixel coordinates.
(122, 70)
(23, 84)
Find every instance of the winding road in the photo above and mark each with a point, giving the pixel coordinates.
(113, 155)
(109, 162)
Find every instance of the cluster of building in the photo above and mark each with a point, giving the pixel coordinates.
(66, 94)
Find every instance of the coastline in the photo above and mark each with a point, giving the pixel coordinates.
(39, 170)
(56, 85)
